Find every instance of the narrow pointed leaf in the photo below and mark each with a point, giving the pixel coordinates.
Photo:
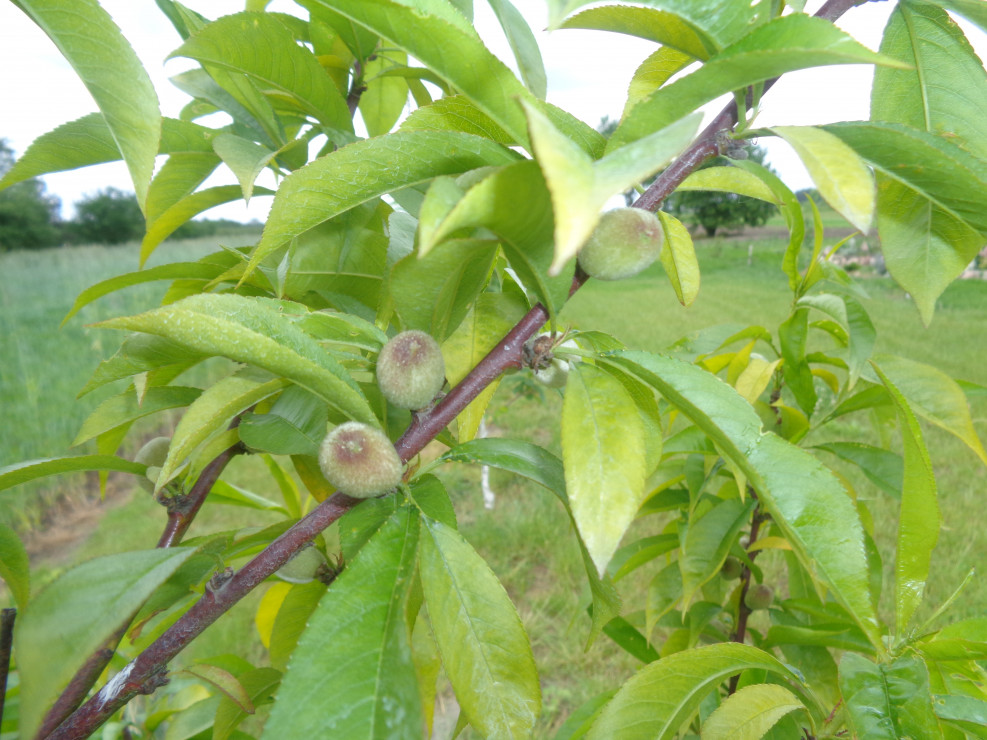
(355, 649)
(882, 467)
(91, 42)
(919, 519)
(75, 615)
(935, 397)
(18, 473)
(660, 697)
(750, 713)
(523, 44)
(245, 158)
(382, 103)
(782, 45)
(678, 257)
(730, 180)
(15, 568)
(365, 170)
(183, 211)
(87, 141)
(840, 174)
(257, 333)
(126, 407)
(262, 47)
(456, 113)
(654, 72)
(211, 413)
(707, 543)
(604, 456)
(662, 27)
(484, 649)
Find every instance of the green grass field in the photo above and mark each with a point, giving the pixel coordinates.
(526, 538)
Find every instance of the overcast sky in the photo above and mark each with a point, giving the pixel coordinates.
(587, 72)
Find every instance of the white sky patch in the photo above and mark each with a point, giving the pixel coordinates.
(588, 73)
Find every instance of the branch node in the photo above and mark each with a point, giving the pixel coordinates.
(219, 580)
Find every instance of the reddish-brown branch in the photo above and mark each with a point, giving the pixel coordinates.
(7, 618)
(743, 611)
(81, 682)
(182, 513)
(145, 672)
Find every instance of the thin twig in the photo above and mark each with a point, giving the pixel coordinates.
(743, 611)
(7, 618)
(146, 671)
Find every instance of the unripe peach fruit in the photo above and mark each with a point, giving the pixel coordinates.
(359, 460)
(759, 597)
(625, 242)
(410, 370)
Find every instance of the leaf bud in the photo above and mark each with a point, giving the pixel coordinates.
(360, 461)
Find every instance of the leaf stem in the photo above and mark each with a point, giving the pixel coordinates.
(743, 611)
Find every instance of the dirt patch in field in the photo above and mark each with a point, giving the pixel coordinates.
(73, 519)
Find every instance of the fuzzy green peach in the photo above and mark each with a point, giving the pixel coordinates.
(360, 461)
(410, 370)
(626, 241)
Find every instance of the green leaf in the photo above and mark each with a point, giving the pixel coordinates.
(792, 336)
(292, 619)
(604, 456)
(935, 397)
(484, 649)
(580, 187)
(223, 680)
(514, 203)
(75, 615)
(260, 685)
(15, 568)
(662, 27)
(972, 10)
(456, 113)
(171, 271)
(929, 204)
(882, 467)
(542, 467)
(919, 519)
(887, 702)
(750, 713)
(440, 37)
(245, 158)
(262, 47)
(801, 495)
(854, 319)
(925, 38)
(490, 318)
(663, 695)
(226, 493)
(579, 722)
(127, 407)
(185, 209)
(210, 414)
(791, 210)
(434, 293)
(366, 170)
(87, 141)
(782, 45)
(678, 257)
(22, 472)
(963, 710)
(382, 103)
(707, 543)
(91, 42)
(257, 333)
(295, 425)
(841, 176)
(654, 72)
(180, 175)
(523, 44)
(730, 180)
(355, 649)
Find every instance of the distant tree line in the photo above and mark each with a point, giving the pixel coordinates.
(30, 216)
